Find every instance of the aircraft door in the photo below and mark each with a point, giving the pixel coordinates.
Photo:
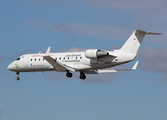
(25, 60)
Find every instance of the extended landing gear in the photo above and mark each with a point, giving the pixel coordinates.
(69, 74)
(82, 75)
(17, 78)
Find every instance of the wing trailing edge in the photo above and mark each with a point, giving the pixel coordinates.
(112, 70)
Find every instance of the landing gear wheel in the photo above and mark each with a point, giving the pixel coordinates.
(82, 77)
(69, 74)
(17, 78)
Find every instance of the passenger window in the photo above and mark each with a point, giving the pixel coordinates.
(43, 59)
(68, 58)
(34, 59)
(60, 58)
(80, 57)
(64, 58)
(56, 59)
(31, 59)
(76, 57)
(39, 59)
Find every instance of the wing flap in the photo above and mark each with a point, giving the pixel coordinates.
(67, 67)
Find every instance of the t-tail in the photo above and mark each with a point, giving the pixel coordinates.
(133, 43)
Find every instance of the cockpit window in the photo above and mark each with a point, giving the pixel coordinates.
(18, 59)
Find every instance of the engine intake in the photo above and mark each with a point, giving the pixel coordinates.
(95, 53)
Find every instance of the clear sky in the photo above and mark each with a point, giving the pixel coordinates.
(31, 26)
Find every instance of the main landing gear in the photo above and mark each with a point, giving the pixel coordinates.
(68, 74)
(82, 75)
(17, 78)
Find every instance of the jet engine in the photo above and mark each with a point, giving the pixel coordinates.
(95, 53)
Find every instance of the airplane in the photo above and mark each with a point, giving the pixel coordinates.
(91, 61)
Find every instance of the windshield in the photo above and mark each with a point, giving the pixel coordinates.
(18, 59)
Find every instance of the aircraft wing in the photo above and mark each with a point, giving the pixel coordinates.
(56, 65)
(112, 70)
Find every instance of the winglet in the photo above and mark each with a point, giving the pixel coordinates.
(135, 66)
(48, 51)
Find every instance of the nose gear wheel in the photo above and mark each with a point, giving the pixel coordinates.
(17, 78)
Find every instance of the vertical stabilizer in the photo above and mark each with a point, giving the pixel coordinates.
(133, 43)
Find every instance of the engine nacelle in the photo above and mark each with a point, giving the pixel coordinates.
(95, 53)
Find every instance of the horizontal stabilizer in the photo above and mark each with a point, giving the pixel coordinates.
(144, 32)
(152, 33)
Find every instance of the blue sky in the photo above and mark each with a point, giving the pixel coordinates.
(31, 26)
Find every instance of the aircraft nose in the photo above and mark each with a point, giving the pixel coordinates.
(10, 67)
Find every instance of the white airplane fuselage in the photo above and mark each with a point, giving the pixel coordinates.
(36, 62)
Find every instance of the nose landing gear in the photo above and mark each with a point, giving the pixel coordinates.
(17, 78)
